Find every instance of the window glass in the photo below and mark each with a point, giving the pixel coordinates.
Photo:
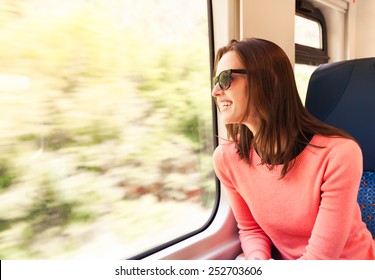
(106, 127)
(308, 32)
(303, 73)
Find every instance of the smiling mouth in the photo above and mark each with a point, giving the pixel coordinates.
(225, 105)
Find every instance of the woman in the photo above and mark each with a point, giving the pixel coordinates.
(286, 174)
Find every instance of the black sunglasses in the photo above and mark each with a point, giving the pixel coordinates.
(224, 78)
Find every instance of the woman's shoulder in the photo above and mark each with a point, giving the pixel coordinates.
(337, 144)
(227, 147)
(226, 150)
(333, 141)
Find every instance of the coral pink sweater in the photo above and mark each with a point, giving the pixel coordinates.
(311, 213)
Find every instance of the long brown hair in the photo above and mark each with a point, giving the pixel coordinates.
(273, 92)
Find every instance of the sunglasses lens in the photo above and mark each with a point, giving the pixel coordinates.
(215, 80)
(225, 79)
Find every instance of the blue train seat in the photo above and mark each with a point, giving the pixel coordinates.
(342, 94)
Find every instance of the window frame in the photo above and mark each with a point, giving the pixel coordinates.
(306, 54)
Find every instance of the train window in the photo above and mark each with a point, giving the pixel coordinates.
(106, 126)
(303, 73)
(310, 43)
(308, 32)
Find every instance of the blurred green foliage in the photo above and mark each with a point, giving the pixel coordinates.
(6, 174)
(106, 106)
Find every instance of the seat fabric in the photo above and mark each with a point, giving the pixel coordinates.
(342, 94)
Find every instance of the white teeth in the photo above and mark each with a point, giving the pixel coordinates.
(225, 104)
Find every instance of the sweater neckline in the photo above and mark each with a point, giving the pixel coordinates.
(277, 169)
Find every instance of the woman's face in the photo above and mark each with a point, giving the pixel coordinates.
(232, 102)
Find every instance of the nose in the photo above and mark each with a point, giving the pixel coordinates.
(216, 91)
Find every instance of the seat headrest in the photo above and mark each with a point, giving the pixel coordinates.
(342, 94)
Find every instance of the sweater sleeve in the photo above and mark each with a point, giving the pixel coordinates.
(254, 241)
(338, 202)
